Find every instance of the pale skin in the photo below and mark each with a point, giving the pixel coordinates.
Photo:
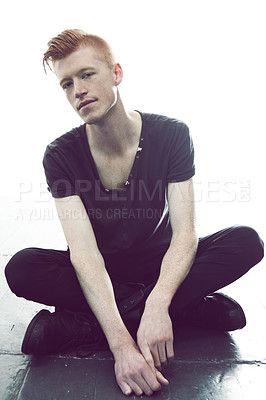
(113, 135)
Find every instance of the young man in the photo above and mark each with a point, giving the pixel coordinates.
(122, 184)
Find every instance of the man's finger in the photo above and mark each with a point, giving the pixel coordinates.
(126, 389)
(170, 350)
(161, 379)
(146, 352)
(162, 353)
(156, 357)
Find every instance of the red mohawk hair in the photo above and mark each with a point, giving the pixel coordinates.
(70, 40)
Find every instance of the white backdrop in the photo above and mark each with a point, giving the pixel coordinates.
(201, 61)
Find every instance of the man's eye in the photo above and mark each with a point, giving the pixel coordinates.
(87, 75)
(67, 85)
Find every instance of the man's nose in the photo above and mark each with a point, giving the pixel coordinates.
(80, 88)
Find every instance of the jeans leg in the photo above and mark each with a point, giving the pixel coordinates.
(47, 277)
(221, 259)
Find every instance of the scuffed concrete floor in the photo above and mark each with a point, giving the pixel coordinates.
(207, 365)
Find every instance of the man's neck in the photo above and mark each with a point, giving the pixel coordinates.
(117, 133)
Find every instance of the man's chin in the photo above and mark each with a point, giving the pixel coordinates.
(93, 117)
(90, 119)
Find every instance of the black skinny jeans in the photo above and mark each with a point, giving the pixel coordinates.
(48, 277)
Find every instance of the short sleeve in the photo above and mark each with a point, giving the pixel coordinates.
(181, 159)
(58, 177)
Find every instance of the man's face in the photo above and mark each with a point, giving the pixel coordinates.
(89, 84)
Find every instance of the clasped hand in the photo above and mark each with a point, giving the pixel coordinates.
(155, 338)
(136, 368)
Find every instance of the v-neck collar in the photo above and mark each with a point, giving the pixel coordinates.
(134, 167)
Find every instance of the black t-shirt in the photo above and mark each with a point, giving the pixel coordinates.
(133, 220)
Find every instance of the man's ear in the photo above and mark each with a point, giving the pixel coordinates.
(118, 74)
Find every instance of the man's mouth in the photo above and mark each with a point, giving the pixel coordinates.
(85, 103)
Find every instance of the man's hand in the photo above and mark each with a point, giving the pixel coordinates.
(133, 374)
(155, 337)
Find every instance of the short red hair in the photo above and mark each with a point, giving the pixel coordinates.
(70, 40)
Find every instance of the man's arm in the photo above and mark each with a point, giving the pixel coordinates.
(155, 334)
(132, 371)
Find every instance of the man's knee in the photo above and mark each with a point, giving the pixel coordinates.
(17, 270)
(253, 245)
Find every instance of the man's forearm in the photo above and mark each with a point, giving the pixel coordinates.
(174, 269)
(98, 291)
(155, 333)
